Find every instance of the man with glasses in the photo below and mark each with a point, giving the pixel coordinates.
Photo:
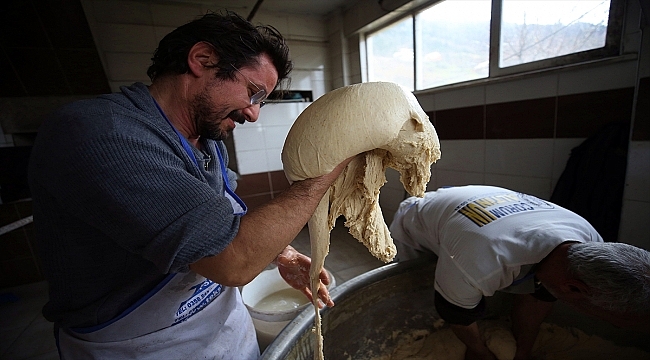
(141, 235)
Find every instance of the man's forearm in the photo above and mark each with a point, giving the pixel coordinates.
(472, 338)
(266, 231)
(527, 316)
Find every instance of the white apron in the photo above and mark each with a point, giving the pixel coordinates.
(185, 317)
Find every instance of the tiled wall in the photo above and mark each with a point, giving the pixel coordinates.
(479, 146)
(127, 32)
(258, 146)
(47, 50)
(516, 133)
(18, 262)
(525, 144)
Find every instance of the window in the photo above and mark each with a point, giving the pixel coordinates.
(453, 41)
(453, 48)
(390, 54)
(537, 30)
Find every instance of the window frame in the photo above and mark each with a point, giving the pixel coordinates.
(612, 48)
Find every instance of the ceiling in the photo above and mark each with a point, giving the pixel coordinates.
(303, 7)
(47, 48)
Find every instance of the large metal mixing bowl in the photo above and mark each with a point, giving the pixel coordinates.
(371, 308)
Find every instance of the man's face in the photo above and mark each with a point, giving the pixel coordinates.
(211, 119)
(222, 103)
(624, 320)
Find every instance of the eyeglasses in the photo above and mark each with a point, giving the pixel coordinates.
(259, 96)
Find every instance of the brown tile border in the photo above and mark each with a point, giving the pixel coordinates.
(279, 181)
(581, 115)
(253, 201)
(641, 128)
(568, 116)
(253, 184)
(525, 119)
(19, 272)
(461, 123)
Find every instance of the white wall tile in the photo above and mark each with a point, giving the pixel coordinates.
(252, 162)
(524, 89)
(276, 114)
(635, 224)
(427, 101)
(249, 137)
(175, 15)
(355, 79)
(540, 187)
(644, 69)
(160, 32)
(278, 21)
(460, 98)
(126, 38)
(523, 157)
(455, 178)
(389, 200)
(301, 79)
(274, 136)
(128, 66)
(307, 27)
(561, 153)
(392, 179)
(354, 65)
(320, 88)
(337, 82)
(274, 159)
(121, 12)
(5, 139)
(462, 155)
(606, 77)
(637, 181)
(308, 55)
(388, 215)
(335, 46)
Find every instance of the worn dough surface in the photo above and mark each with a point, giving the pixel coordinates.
(385, 123)
(553, 343)
(380, 119)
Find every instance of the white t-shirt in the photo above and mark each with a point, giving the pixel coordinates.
(485, 237)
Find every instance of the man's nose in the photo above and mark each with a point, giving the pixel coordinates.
(252, 112)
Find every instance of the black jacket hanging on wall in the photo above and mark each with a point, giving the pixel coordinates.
(594, 178)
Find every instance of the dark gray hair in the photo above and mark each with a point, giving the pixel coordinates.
(237, 42)
(618, 274)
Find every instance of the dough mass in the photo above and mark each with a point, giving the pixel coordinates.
(383, 122)
(553, 343)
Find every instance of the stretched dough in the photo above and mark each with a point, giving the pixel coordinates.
(385, 123)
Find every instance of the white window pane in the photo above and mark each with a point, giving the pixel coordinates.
(390, 54)
(537, 30)
(453, 42)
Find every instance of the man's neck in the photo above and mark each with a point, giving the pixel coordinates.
(173, 100)
(554, 265)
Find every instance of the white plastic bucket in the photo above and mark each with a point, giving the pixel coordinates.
(269, 319)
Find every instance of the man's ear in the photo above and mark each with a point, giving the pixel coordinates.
(576, 288)
(201, 58)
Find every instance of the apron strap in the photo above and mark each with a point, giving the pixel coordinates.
(238, 205)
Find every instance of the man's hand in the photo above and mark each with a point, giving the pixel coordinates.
(471, 337)
(485, 355)
(294, 269)
(528, 313)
